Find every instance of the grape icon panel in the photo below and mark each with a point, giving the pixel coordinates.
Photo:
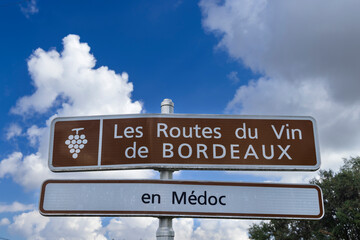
(76, 142)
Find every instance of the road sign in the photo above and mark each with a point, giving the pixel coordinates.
(161, 198)
(174, 141)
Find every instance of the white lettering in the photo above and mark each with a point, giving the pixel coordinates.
(284, 152)
(207, 132)
(215, 152)
(233, 151)
(250, 152)
(181, 153)
(216, 131)
(184, 133)
(128, 132)
(143, 151)
(161, 127)
(139, 132)
(132, 150)
(188, 132)
(278, 134)
(116, 132)
(197, 131)
(271, 151)
(293, 131)
(172, 132)
(201, 148)
(240, 133)
(167, 150)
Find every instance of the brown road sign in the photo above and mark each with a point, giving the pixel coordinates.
(172, 141)
(162, 198)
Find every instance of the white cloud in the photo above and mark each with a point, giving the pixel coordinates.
(70, 79)
(10, 164)
(308, 53)
(29, 225)
(292, 40)
(74, 228)
(34, 133)
(145, 228)
(15, 207)
(14, 130)
(29, 171)
(337, 121)
(4, 222)
(29, 8)
(32, 225)
(308, 58)
(222, 229)
(183, 228)
(233, 76)
(68, 84)
(132, 228)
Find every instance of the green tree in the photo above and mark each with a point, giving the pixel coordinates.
(341, 193)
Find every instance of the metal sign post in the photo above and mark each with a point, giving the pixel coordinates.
(165, 230)
(168, 142)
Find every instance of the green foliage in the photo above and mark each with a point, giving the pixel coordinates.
(341, 193)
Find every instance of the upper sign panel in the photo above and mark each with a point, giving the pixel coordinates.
(161, 141)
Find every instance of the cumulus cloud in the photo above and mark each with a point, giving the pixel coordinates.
(308, 56)
(29, 171)
(4, 221)
(32, 225)
(9, 165)
(70, 79)
(145, 228)
(34, 133)
(293, 39)
(67, 84)
(132, 228)
(14, 130)
(307, 53)
(29, 225)
(183, 228)
(222, 229)
(15, 207)
(336, 120)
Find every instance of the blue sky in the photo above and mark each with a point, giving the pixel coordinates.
(160, 45)
(66, 58)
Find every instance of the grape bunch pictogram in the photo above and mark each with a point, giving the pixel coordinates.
(76, 142)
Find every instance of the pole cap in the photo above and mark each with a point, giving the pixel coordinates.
(167, 106)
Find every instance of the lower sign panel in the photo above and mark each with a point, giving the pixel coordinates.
(180, 199)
